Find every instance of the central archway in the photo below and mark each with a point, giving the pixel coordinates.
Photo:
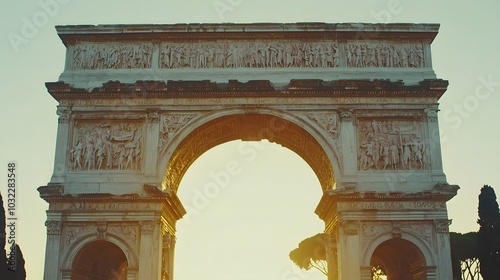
(245, 227)
(248, 127)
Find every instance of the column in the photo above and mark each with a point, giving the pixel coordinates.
(52, 250)
(153, 136)
(150, 251)
(60, 163)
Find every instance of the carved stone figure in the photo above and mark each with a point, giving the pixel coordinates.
(170, 125)
(249, 55)
(387, 144)
(327, 121)
(101, 56)
(106, 146)
(384, 55)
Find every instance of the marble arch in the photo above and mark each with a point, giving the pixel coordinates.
(255, 125)
(137, 104)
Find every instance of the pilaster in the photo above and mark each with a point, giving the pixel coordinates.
(60, 159)
(52, 271)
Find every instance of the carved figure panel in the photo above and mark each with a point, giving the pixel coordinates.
(170, 124)
(384, 55)
(327, 121)
(390, 145)
(106, 146)
(249, 55)
(103, 56)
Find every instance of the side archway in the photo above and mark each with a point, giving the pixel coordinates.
(75, 249)
(249, 127)
(400, 259)
(99, 260)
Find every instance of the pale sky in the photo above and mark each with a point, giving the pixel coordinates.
(248, 229)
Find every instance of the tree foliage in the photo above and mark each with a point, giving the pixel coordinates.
(5, 272)
(311, 253)
(20, 273)
(489, 234)
(3, 253)
(463, 248)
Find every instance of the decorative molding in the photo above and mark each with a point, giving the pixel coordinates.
(106, 146)
(432, 114)
(351, 227)
(346, 115)
(153, 116)
(442, 226)
(396, 229)
(102, 228)
(147, 227)
(369, 230)
(64, 114)
(53, 227)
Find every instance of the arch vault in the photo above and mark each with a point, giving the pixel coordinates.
(139, 103)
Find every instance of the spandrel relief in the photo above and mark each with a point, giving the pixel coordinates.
(102, 56)
(170, 124)
(249, 55)
(390, 145)
(106, 146)
(384, 55)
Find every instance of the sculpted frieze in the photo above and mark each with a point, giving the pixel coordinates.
(108, 56)
(274, 54)
(106, 146)
(362, 54)
(390, 145)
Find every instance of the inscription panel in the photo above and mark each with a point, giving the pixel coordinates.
(393, 205)
(101, 206)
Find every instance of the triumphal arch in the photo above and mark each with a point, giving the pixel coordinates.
(139, 103)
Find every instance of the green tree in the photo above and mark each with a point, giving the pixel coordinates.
(463, 249)
(489, 234)
(3, 253)
(311, 253)
(20, 270)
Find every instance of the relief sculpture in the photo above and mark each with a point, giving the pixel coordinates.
(169, 126)
(106, 146)
(249, 55)
(112, 56)
(385, 55)
(390, 145)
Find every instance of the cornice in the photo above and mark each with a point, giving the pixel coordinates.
(206, 89)
(233, 31)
